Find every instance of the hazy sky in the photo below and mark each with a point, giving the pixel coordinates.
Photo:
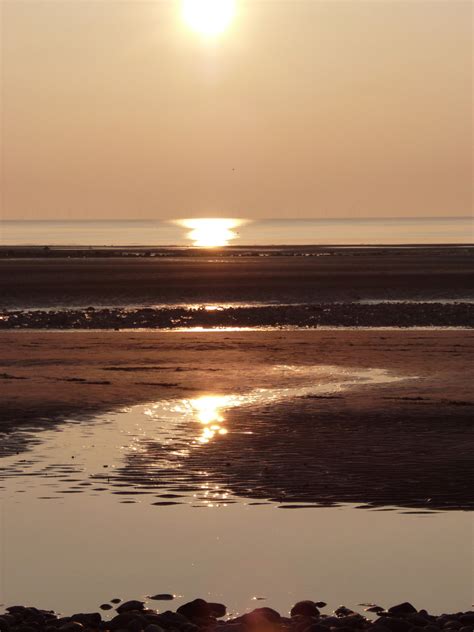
(303, 108)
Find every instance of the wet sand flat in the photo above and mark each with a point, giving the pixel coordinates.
(326, 274)
(404, 439)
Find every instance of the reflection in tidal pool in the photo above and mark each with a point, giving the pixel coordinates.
(169, 445)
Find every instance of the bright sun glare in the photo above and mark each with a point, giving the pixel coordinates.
(211, 232)
(208, 413)
(208, 17)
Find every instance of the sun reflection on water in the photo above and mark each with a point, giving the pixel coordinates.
(211, 232)
(207, 410)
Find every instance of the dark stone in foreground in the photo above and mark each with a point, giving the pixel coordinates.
(402, 608)
(305, 608)
(162, 597)
(202, 616)
(130, 605)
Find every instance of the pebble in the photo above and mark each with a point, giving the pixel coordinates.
(200, 615)
(305, 608)
(153, 628)
(133, 604)
(402, 608)
(196, 609)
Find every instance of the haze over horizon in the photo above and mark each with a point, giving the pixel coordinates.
(117, 110)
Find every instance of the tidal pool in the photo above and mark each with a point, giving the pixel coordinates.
(193, 495)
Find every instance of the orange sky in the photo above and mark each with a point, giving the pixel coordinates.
(303, 108)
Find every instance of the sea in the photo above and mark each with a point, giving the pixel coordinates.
(364, 231)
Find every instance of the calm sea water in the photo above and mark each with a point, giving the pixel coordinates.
(261, 232)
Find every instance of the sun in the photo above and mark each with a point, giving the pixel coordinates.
(208, 17)
(211, 232)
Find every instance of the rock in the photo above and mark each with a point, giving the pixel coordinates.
(152, 627)
(374, 609)
(342, 611)
(115, 600)
(127, 606)
(394, 624)
(105, 606)
(330, 621)
(218, 610)
(467, 618)
(197, 609)
(136, 625)
(88, 620)
(72, 626)
(316, 627)
(123, 620)
(168, 619)
(260, 617)
(402, 608)
(16, 609)
(162, 597)
(306, 608)
(418, 619)
(377, 627)
(321, 604)
(4, 624)
(228, 627)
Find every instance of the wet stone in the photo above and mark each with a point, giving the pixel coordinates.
(260, 617)
(316, 627)
(402, 608)
(162, 597)
(196, 609)
(88, 620)
(306, 608)
(72, 626)
(218, 610)
(127, 606)
(394, 624)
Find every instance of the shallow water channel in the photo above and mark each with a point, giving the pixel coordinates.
(124, 505)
